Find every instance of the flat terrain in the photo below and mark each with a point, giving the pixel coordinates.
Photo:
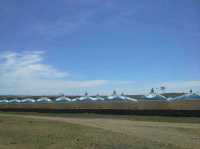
(115, 105)
(89, 131)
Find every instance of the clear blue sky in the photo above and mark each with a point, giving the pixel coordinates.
(132, 45)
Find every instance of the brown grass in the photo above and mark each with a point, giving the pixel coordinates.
(106, 133)
(141, 105)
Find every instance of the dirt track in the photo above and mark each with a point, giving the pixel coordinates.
(184, 135)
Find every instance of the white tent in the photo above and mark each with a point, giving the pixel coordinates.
(28, 100)
(122, 97)
(154, 96)
(86, 98)
(127, 98)
(99, 98)
(170, 99)
(63, 99)
(74, 99)
(14, 101)
(44, 100)
(188, 96)
(114, 96)
(4, 101)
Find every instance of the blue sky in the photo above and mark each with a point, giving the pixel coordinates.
(98, 46)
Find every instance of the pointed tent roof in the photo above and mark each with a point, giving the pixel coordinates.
(188, 96)
(28, 100)
(74, 99)
(154, 96)
(14, 101)
(85, 98)
(114, 96)
(44, 99)
(63, 99)
(170, 99)
(4, 101)
(99, 98)
(126, 97)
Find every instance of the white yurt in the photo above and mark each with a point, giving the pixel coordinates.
(62, 99)
(114, 96)
(154, 96)
(43, 100)
(122, 97)
(170, 99)
(86, 98)
(99, 98)
(28, 100)
(127, 98)
(188, 96)
(14, 101)
(3, 101)
(74, 99)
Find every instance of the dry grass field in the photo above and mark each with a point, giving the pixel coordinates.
(129, 105)
(90, 131)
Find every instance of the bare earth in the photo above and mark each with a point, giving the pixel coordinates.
(183, 135)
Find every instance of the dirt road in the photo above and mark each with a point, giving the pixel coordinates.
(184, 135)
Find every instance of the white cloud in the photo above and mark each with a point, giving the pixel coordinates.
(27, 65)
(25, 73)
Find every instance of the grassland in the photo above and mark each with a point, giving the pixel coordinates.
(170, 119)
(90, 131)
(129, 105)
